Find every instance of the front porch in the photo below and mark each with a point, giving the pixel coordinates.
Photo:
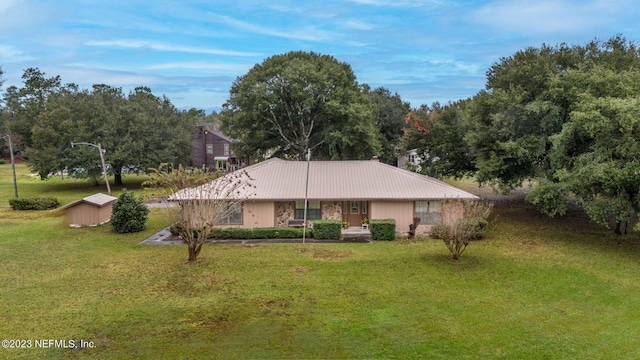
(356, 232)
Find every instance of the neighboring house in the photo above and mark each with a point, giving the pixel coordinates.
(213, 151)
(410, 160)
(339, 190)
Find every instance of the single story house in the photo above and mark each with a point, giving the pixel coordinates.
(92, 210)
(338, 190)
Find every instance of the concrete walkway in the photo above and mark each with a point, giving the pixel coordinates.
(354, 234)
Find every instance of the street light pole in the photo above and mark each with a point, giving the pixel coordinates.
(104, 166)
(13, 164)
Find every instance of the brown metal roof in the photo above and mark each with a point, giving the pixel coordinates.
(278, 179)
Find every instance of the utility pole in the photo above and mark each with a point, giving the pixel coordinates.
(306, 199)
(13, 164)
(104, 166)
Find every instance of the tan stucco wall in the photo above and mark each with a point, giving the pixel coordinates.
(402, 211)
(85, 214)
(256, 214)
(259, 214)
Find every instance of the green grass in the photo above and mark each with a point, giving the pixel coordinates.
(535, 288)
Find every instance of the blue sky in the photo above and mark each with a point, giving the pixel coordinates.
(191, 51)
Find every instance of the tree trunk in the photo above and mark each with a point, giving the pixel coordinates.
(621, 227)
(117, 177)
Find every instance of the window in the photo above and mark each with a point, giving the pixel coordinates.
(313, 210)
(233, 216)
(429, 212)
(355, 207)
(209, 149)
(222, 165)
(226, 149)
(364, 207)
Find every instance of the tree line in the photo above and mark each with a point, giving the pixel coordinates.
(138, 130)
(563, 117)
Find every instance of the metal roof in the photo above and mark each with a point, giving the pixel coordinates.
(278, 179)
(98, 200)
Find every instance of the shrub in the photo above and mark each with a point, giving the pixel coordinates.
(259, 233)
(3, 161)
(462, 221)
(327, 229)
(382, 229)
(474, 227)
(440, 231)
(129, 214)
(41, 203)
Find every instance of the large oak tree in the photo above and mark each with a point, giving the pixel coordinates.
(301, 101)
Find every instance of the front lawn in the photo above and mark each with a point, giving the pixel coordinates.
(535, 288)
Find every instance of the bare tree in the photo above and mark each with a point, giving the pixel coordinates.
(205, 200)
(462, 221)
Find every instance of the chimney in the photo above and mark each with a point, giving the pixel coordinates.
(375, 158)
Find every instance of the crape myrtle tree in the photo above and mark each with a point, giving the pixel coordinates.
(205, 200)
(300, 101)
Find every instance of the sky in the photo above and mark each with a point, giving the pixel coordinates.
(192, 50)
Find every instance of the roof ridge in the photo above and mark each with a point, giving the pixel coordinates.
(424, 177)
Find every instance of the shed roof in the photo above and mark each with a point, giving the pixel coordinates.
(98, 200)
(278, 179)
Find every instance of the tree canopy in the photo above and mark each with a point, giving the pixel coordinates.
(389, 118)
(138, 131)
(301, 101)
(564, 117)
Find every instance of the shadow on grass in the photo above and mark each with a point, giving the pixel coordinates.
(467, 261)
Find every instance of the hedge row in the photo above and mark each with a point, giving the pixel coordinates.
(382, 229)
(41, 203)
(259, 233)
(327, 229)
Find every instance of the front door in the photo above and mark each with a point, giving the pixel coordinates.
(354, 212)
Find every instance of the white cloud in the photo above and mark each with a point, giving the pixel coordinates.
(224, 67)
(545, 16)
(358, 25)
(7, 5)
(397, 3)
(306, 33)
(11, 54)
(142, 44)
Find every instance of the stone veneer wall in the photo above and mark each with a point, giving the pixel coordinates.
(331, 210)
(285, 210)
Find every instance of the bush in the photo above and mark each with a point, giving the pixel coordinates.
(41, 203)
(259, 233)
(382, 229)
(327, 229)
(440, 231)
(474, 226)
(129, 214)
(3, 161)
